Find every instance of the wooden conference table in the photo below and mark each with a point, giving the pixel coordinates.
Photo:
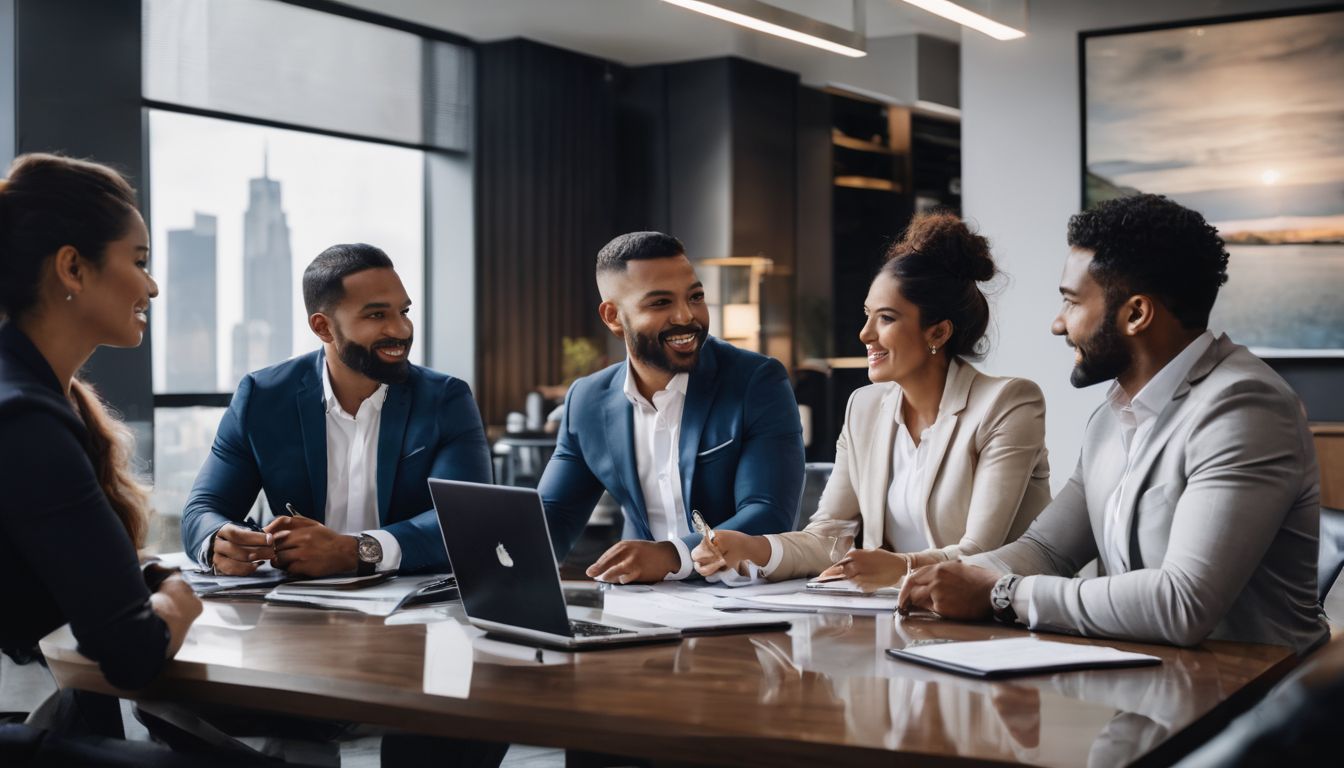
(822, 693)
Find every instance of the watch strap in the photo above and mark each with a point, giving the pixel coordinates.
(1001, 598)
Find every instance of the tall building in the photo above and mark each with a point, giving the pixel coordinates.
(266, 332)
(190, 298)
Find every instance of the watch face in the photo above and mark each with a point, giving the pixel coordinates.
(370, 551)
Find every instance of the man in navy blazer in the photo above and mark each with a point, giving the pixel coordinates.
(357, 483)
(687, 423)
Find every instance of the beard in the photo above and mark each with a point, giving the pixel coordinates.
(652, 350)
(366, 362)
(1104, 357)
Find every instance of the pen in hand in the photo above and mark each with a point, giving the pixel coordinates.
(291, 510)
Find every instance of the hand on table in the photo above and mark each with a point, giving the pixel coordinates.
(870, 569)
(953, 590)
(305, 547)
(629, 562)
(237, 551)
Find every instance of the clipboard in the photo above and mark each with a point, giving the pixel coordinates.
(1018, 657)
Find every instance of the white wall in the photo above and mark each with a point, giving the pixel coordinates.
(1020, 169)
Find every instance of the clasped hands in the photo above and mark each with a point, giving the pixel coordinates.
(300, 545)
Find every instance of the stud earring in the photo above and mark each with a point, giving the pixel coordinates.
(69, 297)
(933, 350)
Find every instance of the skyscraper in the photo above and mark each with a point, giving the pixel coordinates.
(190, 299)
(266, 332)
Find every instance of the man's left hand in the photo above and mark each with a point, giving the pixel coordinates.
(953, 590)
(305, 547)
(629, 562)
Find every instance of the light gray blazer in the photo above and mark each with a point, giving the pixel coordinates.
(1222, 524)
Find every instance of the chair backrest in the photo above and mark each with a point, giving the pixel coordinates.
(815, 475)
(1330, 561)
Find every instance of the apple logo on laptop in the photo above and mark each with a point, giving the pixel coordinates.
(503, 555)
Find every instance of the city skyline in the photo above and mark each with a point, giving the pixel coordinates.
(334, 190)
(191, 358)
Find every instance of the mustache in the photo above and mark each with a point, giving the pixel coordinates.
(392, 343)
(681, 330)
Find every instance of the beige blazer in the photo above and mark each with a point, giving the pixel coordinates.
(1221, 520)
(988, 474)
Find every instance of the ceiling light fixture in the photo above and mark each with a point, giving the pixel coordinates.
(968, 18)
(772, 20)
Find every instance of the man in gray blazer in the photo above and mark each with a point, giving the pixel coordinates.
(1197, 490)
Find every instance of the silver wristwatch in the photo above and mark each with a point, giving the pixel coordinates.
(370, 554)
(1001, 598)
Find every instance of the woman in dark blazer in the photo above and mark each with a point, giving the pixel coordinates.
(74, 275)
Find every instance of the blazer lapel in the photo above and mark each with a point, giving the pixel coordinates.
(955, 393)
(391, 435)
(313, 425)
(619, 422)
(699, 397)
(873, 504)
(1166, 422)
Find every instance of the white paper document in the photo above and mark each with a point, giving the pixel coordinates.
(686, 615)
(810, 601)
(847, 587)
(1019, 655)
(379, 599)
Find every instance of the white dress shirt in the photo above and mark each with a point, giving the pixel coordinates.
(657, 462)
(352, 470)
(1136, 418)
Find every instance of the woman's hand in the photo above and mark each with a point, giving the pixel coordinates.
(870, 569)
(178, 606)
(729, 550)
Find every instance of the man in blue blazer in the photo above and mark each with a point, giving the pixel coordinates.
(687, 423)
(341, 440)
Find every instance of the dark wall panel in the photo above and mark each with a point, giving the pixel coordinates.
(641, 151)
(77, 90)
(545, 206)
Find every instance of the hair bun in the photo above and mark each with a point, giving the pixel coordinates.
(964, 254)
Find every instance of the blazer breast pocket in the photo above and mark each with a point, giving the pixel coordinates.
(715, 452)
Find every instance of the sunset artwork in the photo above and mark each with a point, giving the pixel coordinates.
(1244, 122)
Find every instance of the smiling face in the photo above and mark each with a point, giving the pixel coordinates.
(114, 298)
(370, 326)
(1089, 325)
(658, 307)
(896, 344)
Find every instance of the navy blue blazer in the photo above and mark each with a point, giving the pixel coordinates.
(273, 438)
(741, 447)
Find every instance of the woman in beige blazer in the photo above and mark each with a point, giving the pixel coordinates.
(936, 460)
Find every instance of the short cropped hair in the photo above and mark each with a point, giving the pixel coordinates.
(322, 280)
(637, 246)
(1150, 244)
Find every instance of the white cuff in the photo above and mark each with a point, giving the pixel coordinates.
(391, 550)
(776, 555)
(1024, 605)
(203, 557)
(684, 556)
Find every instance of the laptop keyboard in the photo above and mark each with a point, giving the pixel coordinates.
(589, 629)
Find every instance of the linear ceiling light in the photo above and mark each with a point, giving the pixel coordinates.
(969, 18)
(772, 20)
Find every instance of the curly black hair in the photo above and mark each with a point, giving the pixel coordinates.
(1152, 245)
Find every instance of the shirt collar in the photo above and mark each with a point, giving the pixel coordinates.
(953, 367)
(329, 400)
(1159, 390)
(677, 385)
(22, 347)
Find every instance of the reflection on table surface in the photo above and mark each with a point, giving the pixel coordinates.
(825, 685)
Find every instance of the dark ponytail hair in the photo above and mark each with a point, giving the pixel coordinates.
(46, 203)
(940, 263)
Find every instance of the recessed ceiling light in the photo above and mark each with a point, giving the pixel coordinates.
(968, 18)
(772, 20)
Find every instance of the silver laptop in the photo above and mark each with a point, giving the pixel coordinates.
(500, 550)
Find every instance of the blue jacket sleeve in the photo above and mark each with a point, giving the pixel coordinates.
(769, 478)
(68, 534)
(569, 489)
(228, 482)
(461, 454)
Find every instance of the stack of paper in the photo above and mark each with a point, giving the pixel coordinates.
(686, 613)
(377, 599)
(809, 601)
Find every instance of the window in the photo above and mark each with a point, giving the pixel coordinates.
(275, 131)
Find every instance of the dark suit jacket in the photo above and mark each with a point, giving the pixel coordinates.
(68, 556)
(741, 446)
(273, 438)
